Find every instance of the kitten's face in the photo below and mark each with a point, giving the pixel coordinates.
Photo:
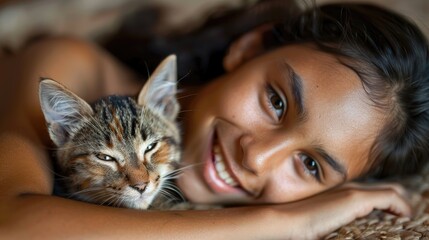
(118, 152)
(121, 155)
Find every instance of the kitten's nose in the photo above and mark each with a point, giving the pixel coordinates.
(139, 187)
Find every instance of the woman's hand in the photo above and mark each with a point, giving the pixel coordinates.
(319, 215)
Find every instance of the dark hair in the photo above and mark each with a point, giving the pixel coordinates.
(391, 56)
(199, 51)
(388, 52)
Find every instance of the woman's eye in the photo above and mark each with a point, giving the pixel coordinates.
(276, 102)
(311, 166)
(151, 146)
(104, 157)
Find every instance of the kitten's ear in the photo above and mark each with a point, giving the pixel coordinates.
(159, 92)
(63, 110)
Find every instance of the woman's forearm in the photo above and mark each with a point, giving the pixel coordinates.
(48, 217)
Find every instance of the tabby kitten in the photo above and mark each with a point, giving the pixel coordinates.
(118, 152)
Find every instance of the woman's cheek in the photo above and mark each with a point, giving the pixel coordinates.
(285, 183)
(241, 106)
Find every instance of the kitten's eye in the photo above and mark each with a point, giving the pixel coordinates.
(104, 157)
(151, 146)
(311, 166)
(276, 102)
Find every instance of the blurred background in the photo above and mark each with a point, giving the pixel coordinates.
(92, 19)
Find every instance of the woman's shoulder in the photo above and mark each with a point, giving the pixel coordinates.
(56, 57)
(79, 64)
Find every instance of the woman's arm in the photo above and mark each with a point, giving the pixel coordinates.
(27, 209)
(47, 217)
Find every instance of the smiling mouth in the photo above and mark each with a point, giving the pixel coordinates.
(221, 169)
(218, 173)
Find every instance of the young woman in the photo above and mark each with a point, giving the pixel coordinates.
(334, 94)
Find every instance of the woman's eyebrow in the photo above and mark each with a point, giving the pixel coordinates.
(295, 83)
(331, 161)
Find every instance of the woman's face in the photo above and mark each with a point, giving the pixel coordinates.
(283, 126)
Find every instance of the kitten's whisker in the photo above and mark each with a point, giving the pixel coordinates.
(166, 185)
(177, 172)
(171, 177)
(100, 197)
(109, 200)
(184, 76)
(180, 170)
(99, 193)
(114, 202)
(174, 189)
(185, 96)
(188, 166)
(147, 70)
(71, 195)
(167, 193)
(120, 200)
(93, 197)
(60, 177)
(86, 190)
(169, 198)
(187, 110)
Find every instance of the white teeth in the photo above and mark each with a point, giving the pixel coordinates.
(230, 181)
(220, 168)
(223, 174)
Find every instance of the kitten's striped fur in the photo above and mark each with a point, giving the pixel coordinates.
(119, 151)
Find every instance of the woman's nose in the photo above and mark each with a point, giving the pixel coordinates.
(261, 154)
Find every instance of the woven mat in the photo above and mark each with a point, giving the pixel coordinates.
(381, 225)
